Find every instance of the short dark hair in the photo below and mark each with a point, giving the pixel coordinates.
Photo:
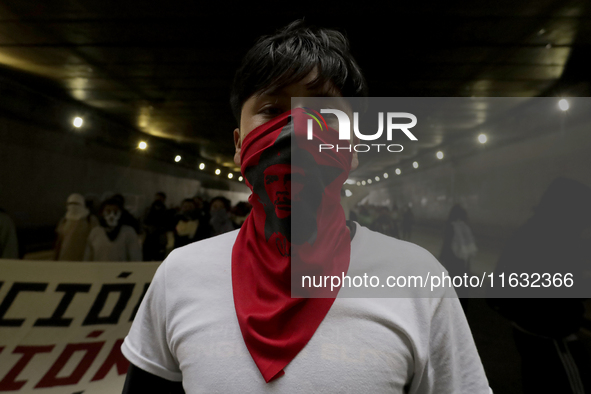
(111, 201)
(120, 198)
(189, 200)
(224, 200)
(289, 55)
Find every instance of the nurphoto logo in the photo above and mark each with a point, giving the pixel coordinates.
(345, 130)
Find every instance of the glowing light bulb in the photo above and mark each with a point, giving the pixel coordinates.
(142, 145)
(482, 138)
(177, 158)
(563, 105)
(415, 164)
(77, 122)
(230, 176)
(439, 155)
(202, 166)
(385, 175)
(398, 172)
(218, 171)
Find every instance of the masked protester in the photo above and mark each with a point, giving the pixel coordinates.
(219, 315)
(73, 230)
(112, 240)
(189, 225)
(219, 211)
(240, 213)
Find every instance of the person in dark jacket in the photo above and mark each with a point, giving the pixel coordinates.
(458, 247)
(544, 329)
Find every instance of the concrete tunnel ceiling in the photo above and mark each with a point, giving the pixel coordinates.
(165, 68)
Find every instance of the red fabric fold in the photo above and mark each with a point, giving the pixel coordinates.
(315, 240)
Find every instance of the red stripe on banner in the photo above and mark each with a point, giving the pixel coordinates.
(50, 379)
(9, 382)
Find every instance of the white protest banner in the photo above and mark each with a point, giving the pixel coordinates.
(62, 324)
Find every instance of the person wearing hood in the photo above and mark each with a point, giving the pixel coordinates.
(112, 240)
(73, 230)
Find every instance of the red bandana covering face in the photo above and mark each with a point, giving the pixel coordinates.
(296, 220)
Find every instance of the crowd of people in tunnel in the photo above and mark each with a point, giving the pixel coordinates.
(112, 233)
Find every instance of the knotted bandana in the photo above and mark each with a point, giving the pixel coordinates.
(296, 227)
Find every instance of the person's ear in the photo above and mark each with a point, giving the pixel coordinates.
(237, 146)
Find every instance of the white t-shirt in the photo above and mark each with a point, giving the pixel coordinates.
(186, 329)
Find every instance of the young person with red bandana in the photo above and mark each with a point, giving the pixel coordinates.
(219, 315)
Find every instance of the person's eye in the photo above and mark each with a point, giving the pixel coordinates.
(271, 110)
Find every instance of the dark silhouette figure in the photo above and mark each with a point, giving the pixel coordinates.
(188, 224)
(458, 247)
(385, 224)
(126, 217)
(553, 359)
(157, 223)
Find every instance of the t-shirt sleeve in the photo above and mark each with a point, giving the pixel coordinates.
(146, 345)
(453, 364)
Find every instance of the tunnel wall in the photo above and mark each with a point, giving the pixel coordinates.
(41, 167)
(498, 187)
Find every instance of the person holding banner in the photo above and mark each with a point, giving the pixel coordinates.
(219, 315)
(73, 230)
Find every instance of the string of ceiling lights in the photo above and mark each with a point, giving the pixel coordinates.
(482, 138)
(142, 145)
